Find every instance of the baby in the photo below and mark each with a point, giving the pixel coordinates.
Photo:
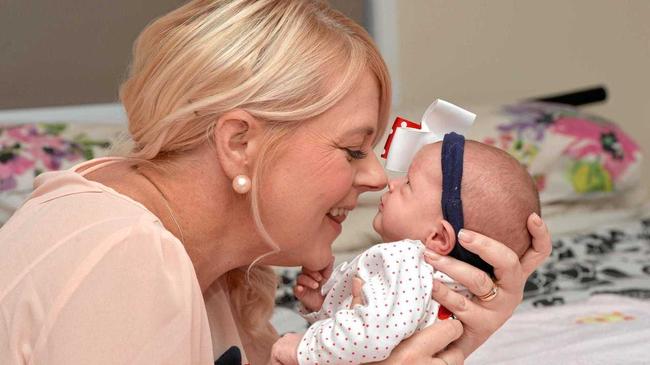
(498, 195)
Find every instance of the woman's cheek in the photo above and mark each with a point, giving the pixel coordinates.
(337, 179)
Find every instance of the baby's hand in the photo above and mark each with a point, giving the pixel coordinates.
(284, 350)
(308, 285)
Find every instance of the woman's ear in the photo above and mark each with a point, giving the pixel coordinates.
(237, 135)
(442, 239)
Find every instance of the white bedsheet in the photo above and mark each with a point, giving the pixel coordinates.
(605, 329)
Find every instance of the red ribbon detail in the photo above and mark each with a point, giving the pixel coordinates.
(444, 313)
(399, 122)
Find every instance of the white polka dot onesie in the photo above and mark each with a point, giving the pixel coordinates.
(397, 302)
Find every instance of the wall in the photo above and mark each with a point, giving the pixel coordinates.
(68, 52)
(77, 51)
(477, 52)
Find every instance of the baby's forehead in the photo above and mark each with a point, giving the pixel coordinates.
(428, 153)
(427, 160)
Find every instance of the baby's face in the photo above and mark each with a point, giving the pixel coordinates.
(411, 206)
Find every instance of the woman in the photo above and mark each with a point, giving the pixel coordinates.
(251, 121)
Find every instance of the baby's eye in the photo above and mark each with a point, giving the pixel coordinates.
(355, 154)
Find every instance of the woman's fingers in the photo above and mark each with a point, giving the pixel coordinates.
(541, 248)
(506, 264)
(434, 338)
(424, 347)
(456, 303)
(357, 292)
(476, 281)
(479, 322)
(451, 356)
(307, 281)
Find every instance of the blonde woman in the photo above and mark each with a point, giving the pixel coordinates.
(251, 121)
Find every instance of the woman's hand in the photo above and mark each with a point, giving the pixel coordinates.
(482, 318)
(424, 347)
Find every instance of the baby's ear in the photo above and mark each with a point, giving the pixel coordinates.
(442, 239)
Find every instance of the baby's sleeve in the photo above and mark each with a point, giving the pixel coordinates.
(396, 293)
(309, 316)
(133, 300)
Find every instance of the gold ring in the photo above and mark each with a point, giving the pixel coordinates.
(489, 296)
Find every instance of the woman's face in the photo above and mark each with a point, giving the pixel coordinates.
(316, 179)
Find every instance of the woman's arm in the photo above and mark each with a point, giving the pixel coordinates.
(482, 318)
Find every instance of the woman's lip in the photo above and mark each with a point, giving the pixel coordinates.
(335, 223)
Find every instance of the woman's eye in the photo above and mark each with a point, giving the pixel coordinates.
(356, 154)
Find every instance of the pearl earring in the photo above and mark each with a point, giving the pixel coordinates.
(241, 184)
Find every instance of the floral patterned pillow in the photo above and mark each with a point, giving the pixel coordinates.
(26, 150)
(572, 155)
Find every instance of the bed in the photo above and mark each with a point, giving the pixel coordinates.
(608, 260)
(42, 139)
(588, 304)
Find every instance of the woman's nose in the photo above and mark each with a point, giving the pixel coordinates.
(394, 183)
(391, 185)
(371, 175)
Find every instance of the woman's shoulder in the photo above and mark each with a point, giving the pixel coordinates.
(71, 187)
(75, 236)
(93, 262)
(72, 231)
(65, 203)
(72, 222)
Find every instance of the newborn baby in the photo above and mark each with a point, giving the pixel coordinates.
(498, 195)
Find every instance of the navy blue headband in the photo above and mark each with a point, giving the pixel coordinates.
(451, 158)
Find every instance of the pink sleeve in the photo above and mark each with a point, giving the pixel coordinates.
(133, 299)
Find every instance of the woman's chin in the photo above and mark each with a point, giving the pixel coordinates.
(318, 262)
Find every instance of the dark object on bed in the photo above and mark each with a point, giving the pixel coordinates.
(591, 95)
(232, 356)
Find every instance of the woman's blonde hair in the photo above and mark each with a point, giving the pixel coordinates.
(283, 61)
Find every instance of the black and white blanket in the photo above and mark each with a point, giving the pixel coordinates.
(610, 260)
(607, 260)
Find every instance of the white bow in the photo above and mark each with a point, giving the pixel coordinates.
(440, 118)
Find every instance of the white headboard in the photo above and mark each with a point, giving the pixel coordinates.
(89, 113)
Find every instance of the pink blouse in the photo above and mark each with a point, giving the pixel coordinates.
(90, 276)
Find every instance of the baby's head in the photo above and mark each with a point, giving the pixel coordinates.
(497, 193)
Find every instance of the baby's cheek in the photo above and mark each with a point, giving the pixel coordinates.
(376, 223)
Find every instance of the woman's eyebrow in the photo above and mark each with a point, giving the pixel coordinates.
(365, 130)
